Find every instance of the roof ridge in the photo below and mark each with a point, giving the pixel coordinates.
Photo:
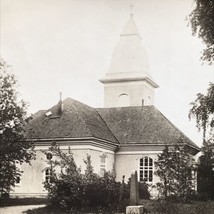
(83, 119)
(177, 129)
(106, 125)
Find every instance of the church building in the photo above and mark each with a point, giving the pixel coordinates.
(126, 135)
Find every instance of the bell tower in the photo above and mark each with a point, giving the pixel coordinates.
(128, 81)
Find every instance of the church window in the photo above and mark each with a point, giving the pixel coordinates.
(18, 180)
(146, 169)
(102, 164)
(123, 100)
(48, 175)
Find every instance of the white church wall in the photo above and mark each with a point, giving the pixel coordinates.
(128, 162)
(136, 92)
(80, 154)
(33, 176)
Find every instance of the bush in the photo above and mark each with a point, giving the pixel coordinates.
(174, 168)
(71, 191)
(143, 190)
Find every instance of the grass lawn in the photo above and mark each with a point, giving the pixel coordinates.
(5, 202)
(154, 207)
(194, 207)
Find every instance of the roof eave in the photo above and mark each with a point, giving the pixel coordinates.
(127, 79)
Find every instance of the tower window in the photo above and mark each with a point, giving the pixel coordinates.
(123, 100)
(146, 169)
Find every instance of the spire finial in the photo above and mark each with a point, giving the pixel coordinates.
(131, 10)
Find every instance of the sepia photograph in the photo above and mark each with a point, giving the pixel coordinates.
(107, 106)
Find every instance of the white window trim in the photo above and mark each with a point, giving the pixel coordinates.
(44, 173)
(103, 166)
(139, 169)
(20, 182)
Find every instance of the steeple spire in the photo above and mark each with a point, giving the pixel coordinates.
(130, 28)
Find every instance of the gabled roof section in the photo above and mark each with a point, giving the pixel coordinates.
(142, 125)
(76, 121)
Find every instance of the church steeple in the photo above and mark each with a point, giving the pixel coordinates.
(130, 28)
(128, 81)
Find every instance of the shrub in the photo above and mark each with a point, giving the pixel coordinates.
(70, 190)
(174, 168)
(99, 191)
(143, 190)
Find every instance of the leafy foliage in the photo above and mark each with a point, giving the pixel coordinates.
(203, 110)
(174, 168)
(202, 22)
(13, 149)
(71, 190)
(206, 172)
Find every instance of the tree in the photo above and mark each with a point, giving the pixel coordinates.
(203, 110)
(205, 171)
(202, 23)
(13, 148)
(174, 168)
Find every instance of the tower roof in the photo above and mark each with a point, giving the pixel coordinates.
(129, 54)
(129, 58)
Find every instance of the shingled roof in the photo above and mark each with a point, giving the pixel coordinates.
(124, 125)
(76, 121)
(142, 125)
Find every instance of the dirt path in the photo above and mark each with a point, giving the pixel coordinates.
(18, 209)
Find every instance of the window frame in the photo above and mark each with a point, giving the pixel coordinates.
(145, 169)
(18, 184)
(47, 175)
(103, 164)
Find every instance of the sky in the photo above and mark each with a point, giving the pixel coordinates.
(66, 46)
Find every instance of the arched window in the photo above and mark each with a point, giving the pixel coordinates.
(49, 155)
(123, 100)
(146, 169)
(48, 173)
(102, 164)
(18, 180)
